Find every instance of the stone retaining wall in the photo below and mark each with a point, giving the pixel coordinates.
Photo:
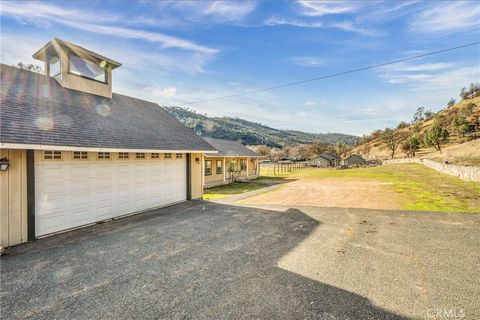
(463, 172)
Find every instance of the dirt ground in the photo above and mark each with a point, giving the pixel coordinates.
(333, 193)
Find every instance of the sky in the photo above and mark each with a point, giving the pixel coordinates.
(178, 52)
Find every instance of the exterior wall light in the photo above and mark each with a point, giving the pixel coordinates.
(4, 164)
(197, 160)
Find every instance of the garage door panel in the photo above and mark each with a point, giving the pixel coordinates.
(72, 194)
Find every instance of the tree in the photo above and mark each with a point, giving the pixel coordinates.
(461, 126)
(342, 148)
(233, 171)
(392, 138)
(29, 67)
(464, 93)
(451, 102)
(419, 116)
(436, 137)
(318, 147)
(410, 146)
(468, 109)
(402, 125)
(429, 114)
(261, 150)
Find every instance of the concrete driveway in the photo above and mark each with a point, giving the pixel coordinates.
(203, 260)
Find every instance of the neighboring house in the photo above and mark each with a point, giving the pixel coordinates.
(79, 154)
(325, 160)
(233, 155)
(353, 159)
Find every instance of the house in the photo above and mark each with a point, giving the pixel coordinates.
(231, 156)
(325, 160)
(353, 159)
(73, 153)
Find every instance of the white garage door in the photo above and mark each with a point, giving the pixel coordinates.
(73, 194)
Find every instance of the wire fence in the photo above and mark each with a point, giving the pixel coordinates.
(275, 168)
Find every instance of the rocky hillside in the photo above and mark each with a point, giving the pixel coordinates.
(252, 133)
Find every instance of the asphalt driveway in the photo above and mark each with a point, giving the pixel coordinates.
(203, 260)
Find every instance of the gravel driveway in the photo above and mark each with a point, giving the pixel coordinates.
(203, 260)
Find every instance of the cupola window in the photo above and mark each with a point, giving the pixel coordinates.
(88, 69)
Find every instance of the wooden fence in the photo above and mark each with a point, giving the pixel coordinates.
(275, 168)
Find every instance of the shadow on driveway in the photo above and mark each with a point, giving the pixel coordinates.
(198, 260)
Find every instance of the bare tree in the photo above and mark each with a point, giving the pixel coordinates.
(234, 172)
(392, 139)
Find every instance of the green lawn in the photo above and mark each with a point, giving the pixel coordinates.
(429, 189)
(228, 190)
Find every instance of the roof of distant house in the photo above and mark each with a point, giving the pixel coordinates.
(329, 156)
(37, 110)
(228, 148)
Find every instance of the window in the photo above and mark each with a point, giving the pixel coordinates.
(52, 155)
(254, 164)
(140, 155)
(179, 156)
(208, 167)
(168, 156)
(123, 155)
(243, 164)
(155, 156)
(80, 155)
(88, 69)
(103, 155)
(53, 66)
(219, 166)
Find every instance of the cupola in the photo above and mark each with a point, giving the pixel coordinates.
(77, 68)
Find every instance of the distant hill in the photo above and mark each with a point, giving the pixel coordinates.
(251, 133)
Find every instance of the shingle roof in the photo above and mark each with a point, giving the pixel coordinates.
(228, 148)
(36, 109)
(330, 156)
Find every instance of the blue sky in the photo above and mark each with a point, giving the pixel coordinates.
(177, 52)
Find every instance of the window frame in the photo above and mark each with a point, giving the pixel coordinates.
(59, 64)
(178, 155)
(123, 156)
(209, 173)
(155, 155)
(219, 167)
(81, 154)
(53, 154)
(140, 155)
(167, 155)
(243, 165)
(105, 155)
(69, 71)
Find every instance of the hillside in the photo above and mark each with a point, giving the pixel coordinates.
(252, 133)
(461, 147)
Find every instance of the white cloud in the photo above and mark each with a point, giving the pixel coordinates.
(342, 25)
(310, 103)
(430, 76)
(447, 17)
(41, 12)
(422, 67)
(167, 92)
(321, 8)
(307, 61)
(230, 10)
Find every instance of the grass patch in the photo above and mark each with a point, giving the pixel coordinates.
(228, 189)
(428, 189)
